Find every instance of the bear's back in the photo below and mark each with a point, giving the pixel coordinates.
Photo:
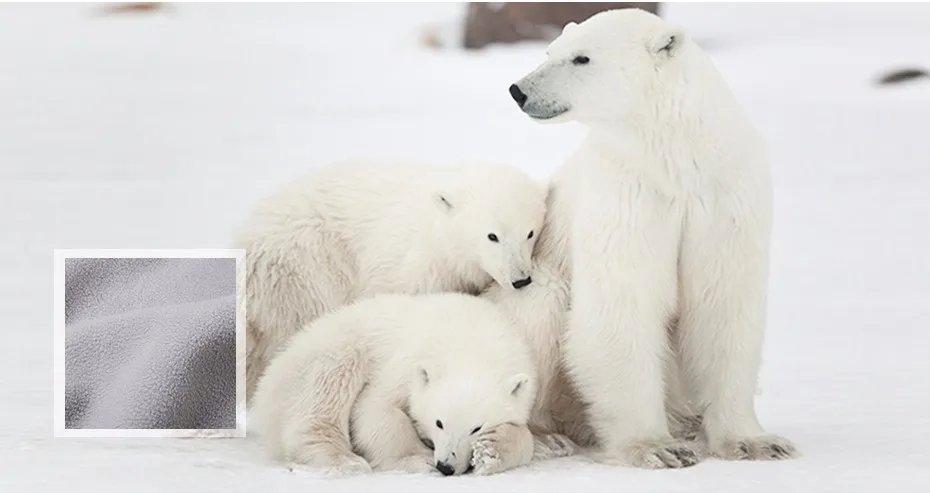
(473, 334)
(450, 328)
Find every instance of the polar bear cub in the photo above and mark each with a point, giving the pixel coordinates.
(361, 228)
(383, 375)
(666, 210)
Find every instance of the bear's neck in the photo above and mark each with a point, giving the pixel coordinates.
(690, 113)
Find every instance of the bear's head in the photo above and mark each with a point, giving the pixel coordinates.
(605, 69)
(452, 412)
(496, 214)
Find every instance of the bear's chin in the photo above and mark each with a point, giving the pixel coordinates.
(557, 116)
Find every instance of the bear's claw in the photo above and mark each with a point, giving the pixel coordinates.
(485, 458)
(552, 446)
(767, 447)
(664, 454)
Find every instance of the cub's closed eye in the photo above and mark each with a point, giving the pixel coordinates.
(529, 235)
(476, 430)
(493, 237)
(581, 60)
(438, 424)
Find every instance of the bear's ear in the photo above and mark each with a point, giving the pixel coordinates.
(568, 27)
(422, 376)
(668, 43)
(518, 384)
(443, 202)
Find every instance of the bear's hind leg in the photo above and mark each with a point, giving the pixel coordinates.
(319, 440)
(384, 434)
(330, 463)
(723, 273)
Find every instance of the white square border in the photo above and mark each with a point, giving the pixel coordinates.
(61, 255)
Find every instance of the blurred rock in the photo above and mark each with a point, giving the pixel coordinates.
(132, 8)
(489, 23)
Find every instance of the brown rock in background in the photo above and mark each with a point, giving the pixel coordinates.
(132, 8)
(489, 23)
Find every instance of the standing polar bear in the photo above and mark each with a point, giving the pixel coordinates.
(661, 220)
(361, 387)
(361, 228)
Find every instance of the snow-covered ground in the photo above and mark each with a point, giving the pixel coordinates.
(159, 131)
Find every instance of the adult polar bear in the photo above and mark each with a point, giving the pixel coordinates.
(667, 246)
(359, 228)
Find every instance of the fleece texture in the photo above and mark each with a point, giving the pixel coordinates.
(150, 343)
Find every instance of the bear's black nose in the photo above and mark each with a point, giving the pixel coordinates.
(522, 283)
(445, 469)
(517, 95)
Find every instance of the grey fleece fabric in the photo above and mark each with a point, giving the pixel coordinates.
(150, 343)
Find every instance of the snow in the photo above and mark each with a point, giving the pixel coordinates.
(159, 131)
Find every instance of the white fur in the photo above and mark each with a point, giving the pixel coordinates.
(374, 377)
(358, 229)
(661, 221)
(540, 312)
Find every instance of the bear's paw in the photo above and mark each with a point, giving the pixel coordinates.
(766, 447)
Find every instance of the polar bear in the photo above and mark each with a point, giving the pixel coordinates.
(360, 228)
(661, 221)
(363, 387)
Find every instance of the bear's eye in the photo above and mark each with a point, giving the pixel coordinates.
(581, 60)
(476, 430)
(529, 236)
(492, 237)
(438, 424)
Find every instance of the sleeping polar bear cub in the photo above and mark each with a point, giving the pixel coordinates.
(661, 221)
(360, 389)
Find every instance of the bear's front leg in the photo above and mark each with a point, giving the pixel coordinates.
(384, 434)
(724, 276)
(501, 448)
(624, 290)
